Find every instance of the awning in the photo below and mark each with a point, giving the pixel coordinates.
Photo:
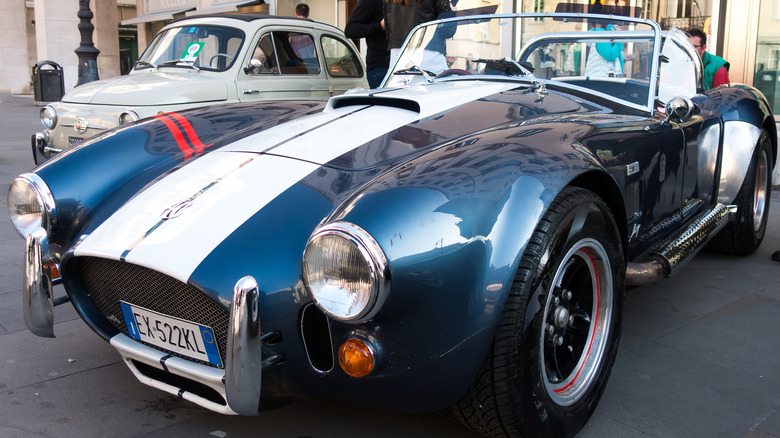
(223, 7)
(157, 16)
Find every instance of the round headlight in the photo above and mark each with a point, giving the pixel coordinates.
(30, 205)
(127, 117)
(48, 117)
(345, 272)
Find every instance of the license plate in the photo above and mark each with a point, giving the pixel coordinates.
(74, 140)
(173, 334)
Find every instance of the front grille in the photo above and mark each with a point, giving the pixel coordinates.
(109, 281)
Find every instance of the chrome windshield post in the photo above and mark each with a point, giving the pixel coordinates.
(38, 301)
(244, 349)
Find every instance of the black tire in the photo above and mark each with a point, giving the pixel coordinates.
(743, 236)
(529, 384)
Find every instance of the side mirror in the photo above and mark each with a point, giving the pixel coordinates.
(679, 109)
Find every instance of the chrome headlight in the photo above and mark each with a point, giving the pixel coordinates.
(49, 117)
(127, 117)
(345, 272)
(31, 205)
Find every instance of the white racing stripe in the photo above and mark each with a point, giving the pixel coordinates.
(226, 187)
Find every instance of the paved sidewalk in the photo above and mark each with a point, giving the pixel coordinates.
(699, 357)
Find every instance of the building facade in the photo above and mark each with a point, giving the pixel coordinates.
(745, 32)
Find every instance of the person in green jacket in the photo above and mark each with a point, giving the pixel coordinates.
(716, 69)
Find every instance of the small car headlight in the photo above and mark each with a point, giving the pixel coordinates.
(345, 272)
(30, 205)
(49, 117)
(128, 117)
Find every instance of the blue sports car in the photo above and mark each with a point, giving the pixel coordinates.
(461, 237)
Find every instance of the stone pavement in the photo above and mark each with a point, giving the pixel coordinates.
(699, 357)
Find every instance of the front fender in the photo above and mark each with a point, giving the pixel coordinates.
(453, 251)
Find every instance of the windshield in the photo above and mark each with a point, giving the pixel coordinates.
(598, 52)
(201, 47)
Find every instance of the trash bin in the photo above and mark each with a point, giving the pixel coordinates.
(48, 83)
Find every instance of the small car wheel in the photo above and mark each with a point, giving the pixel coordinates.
(743, 236)
(557, 338)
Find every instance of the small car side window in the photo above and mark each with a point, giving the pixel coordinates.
(341, 61)
(264, 58)
(296, 53)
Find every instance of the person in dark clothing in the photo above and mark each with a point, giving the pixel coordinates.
(367, 21)
(402, 15)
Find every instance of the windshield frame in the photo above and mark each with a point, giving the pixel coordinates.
(146, 63)
(650, 30)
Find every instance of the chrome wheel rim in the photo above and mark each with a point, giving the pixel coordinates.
(577, 316)
(760, 188)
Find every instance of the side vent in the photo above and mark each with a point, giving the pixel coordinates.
(347, 100)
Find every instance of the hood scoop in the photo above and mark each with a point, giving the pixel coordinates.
(391, 102)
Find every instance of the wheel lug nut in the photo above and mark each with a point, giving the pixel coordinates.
(557, 340)
(568, 295)
(556, 301)
(549, 329)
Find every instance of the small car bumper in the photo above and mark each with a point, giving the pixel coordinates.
(232, 390)
(41, 148)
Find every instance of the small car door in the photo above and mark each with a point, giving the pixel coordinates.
(344, 69)
(283, 64)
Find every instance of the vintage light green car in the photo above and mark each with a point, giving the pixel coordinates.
(208, 60)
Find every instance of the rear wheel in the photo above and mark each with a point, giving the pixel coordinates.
(744, 235)
(558, 334)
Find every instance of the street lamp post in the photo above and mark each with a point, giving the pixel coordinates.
(86, 51)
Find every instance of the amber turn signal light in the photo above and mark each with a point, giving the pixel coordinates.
(356, 358)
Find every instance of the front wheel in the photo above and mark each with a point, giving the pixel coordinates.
(558, 334)
(743, 236)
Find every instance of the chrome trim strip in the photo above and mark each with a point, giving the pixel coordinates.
(38, 302)
(243, 370)
(70, 125)
(131, 350)
(739, 141)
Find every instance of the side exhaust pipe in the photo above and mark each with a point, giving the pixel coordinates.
(667, 258)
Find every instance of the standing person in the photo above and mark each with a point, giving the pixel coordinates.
(716, 69)
(367, 21)
(402, 15)
(302, 10)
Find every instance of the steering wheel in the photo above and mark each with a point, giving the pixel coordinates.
(453, 72)
(224, 55)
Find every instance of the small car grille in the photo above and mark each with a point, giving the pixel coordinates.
(109, 281)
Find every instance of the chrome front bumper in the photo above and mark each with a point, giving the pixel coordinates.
(38, 299)
(238, 384)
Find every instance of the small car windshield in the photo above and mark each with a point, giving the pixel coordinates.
(196, 47)
(604, 54)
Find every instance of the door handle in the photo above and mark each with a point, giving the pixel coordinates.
(248, 91)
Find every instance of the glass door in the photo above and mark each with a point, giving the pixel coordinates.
(766, 76)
